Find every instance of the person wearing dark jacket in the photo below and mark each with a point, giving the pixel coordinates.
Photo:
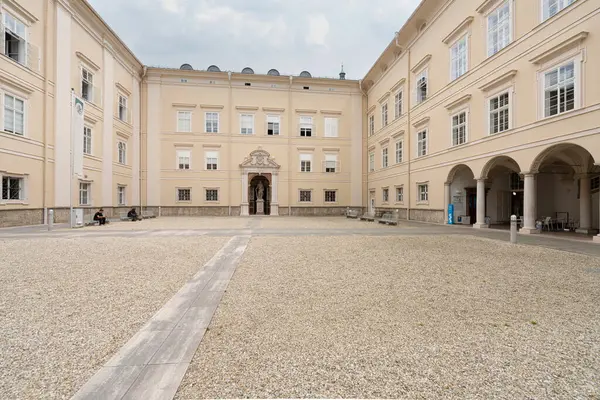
(132, 215)
(99, 216)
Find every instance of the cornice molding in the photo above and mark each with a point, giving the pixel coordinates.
(305, 111)
(211, 146)
(498, 81)
(331, 112)
(184, 105)
(305, 148)
(21, 11)
(458, 30)
(87, 60)
(371, 109)
(421, 122)
(123, 89)
(398, 134)
(272, 109)
(332, 149)
(461, 100)
(384, 97)
(17, 84)
(247, 108)
(487, 5)
(421, 64)
(397, 85)
(184, 145)
(559, 48)
(385, 141)
(214, 107)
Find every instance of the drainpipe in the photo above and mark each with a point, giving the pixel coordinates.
(144, 73)
(230, 146)
(366, 142)
(290, 133)
(45, 117)
(408, 136)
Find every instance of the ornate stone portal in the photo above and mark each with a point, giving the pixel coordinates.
(260, 162)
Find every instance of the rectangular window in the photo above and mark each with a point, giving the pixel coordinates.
(371, 125)
(398, 104)
(385, 195)
(305, 162)
(595, 184)
(459, 128)
(123, 116)
(211, 122)
(87, 140)
(559, 89)
(400, 194)
(423, 193)
(458, 57)
(122, 148)
(499, 113)
(121, 197)
(331, 127)
(384, 115)
(184, 194)
(84, 193)
(371, 162)
(183, 159)
(399, 151)
(422, 143)
(384, 158)
(12, 188)
(331, 163)
(87, 85)
(515, 182)
(247, 124)
(273, 124)
(330, 196)
(553, 7)
(421, 87)
(212, 160)
(499, 29)
(14, 115)
(15, 39)
(305, 196)
(212, 195)
(306, 126)
(184, 121)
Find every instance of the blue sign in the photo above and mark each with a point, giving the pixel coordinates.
(450, 214)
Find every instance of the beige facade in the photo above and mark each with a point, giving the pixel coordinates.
(490, 106)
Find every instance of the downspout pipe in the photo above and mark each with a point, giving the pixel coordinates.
(367, 144)
(142, 78)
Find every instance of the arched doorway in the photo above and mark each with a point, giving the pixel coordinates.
(502, 181)
(461, 188)
(259, 195)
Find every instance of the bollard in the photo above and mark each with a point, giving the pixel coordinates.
(513, 229)
(50, 219)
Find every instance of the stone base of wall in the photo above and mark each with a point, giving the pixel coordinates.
(435, 216)
(216, 211)
(314, 211)
(379, 211)
(10, 218)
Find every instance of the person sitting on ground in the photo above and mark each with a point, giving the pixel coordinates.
(99, 216)
(132, 215)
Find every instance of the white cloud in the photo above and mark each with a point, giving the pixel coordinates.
(173, 6)
(318, 29)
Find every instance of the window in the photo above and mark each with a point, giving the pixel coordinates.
(499, 113)
(595, 184)
(183, 159)
(305, 162)
(184, 121)
(87, 140)
(330, 196)
(306, 126)
(384, 158)
(421, 87)
(553, 7)
(13, 188)
(305, 196)
(371, 162)
(15, 39)
(384, 115)
(212, 160)
(330, 162)
(123, 109)
(515, 182)
(559, 89)
(399, 151)
(459, 128)
(400, 194)
(273, 123)
(121, 197)
(247, 124)
(458, 57)
(385, 195)
(422, 143)
(499, 29)
(84, 193)
(398, 104)
(371, 125)
(14, 115)
(122, 148)
(184, 194)
(87, 85)
(212, 195)
(423, 192)
(331, 127)
(211, 122)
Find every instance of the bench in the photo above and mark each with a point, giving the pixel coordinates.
(123, 216)
(88, 221)
(351, 214)
(388, 219)
(367, 217)
(148, 214)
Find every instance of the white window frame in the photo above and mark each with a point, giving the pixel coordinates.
(88, 191)
(310, 195)
(577, 85)
(384, 115)
(183, 154)
(22, 188)
(211, 125)
(306, 158)
(509, 108)
(331, 127)
(385, 162)
(121, 195)
(335, 196)
(15, 112)
(180, 121)
(398, 103)
(372, 161)
(496, 12)
(122, 109)
(122, 152)
(246, 130)
(88, 140)
(275, 121)
(327, 163)
(23, 36)
(458, 66)
(178, 193)
(418, 141)
(86, 73)
(423, 196)
(206, 192)
(305, 127)
(399, 151)
(561, 5)
(424, 73)
(465, 125)
(400, 194)
(209, 157)
(371, 124)
(385, 195)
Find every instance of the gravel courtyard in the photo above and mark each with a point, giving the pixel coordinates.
(403, 317)
(66, 305)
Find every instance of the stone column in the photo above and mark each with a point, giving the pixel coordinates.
(274, 194)
(447, 199)
(597, 238)
(480, 223)
(530, 199)
(244, 211)
(585, 205)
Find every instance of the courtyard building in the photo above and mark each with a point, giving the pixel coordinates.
(489, 106)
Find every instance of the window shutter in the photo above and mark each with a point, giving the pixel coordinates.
(33, 57)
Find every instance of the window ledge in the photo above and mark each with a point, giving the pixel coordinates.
(546, 119)
(14, 202)
(422, 203)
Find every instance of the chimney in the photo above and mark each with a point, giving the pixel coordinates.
(342, 74)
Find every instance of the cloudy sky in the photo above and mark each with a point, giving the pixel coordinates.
(289, 35)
